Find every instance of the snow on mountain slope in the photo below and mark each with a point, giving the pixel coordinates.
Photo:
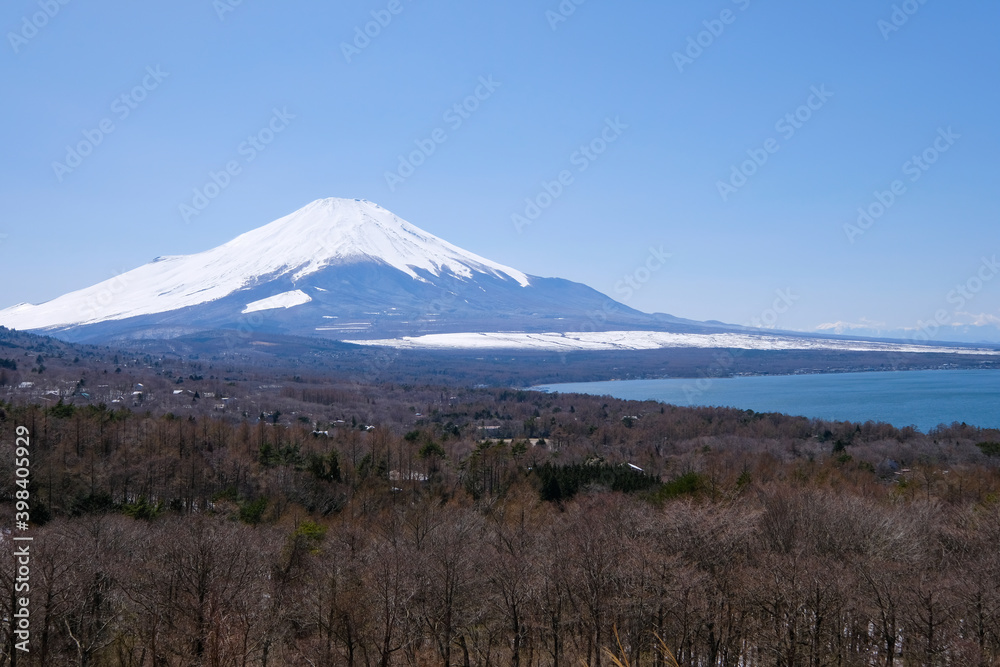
(322, 234)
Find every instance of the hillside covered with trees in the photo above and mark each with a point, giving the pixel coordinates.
(240, 516)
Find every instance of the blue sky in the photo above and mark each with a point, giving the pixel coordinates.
(645, 110)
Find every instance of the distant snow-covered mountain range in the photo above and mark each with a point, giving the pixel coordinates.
(979, 329)
(350, 270)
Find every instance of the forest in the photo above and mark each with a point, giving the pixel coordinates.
(335, 522)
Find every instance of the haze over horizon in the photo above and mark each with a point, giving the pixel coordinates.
(618, 122)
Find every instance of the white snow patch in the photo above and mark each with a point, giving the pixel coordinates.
(650, 340)
(283, 300)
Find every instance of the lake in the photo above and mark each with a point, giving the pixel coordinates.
(923, 399)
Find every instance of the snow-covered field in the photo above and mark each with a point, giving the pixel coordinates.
(648, 340)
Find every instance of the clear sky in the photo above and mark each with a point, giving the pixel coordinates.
(829, 102)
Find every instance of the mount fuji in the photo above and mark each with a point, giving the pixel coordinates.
(349, 270)
(337, 268)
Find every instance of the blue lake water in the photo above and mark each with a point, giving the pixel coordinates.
(923, 399)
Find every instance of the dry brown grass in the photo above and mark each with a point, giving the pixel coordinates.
(621, 659)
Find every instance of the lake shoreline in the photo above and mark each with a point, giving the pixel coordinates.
(843, 371)
(923, 398)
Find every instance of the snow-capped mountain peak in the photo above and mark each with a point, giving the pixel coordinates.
(331, 230)
(323, 234)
